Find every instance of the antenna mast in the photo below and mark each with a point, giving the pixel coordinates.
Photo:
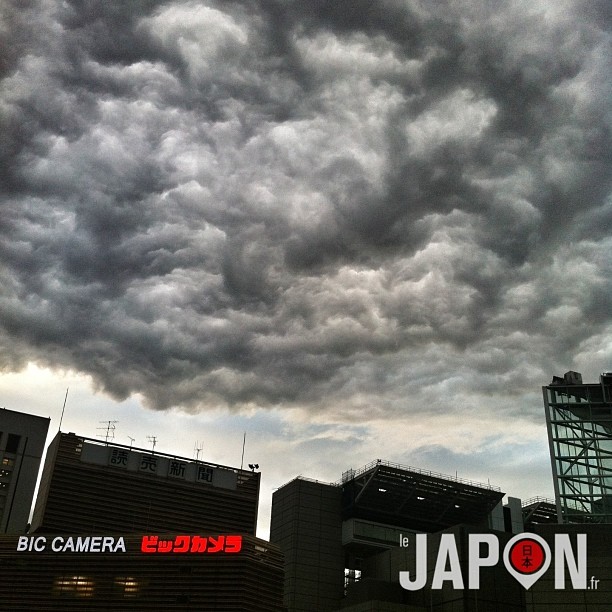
(153, 441)
(243, 443)
(110, 431)
(63, 408)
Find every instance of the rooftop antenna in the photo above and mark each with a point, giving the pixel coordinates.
(132, 440)
(196, 450)
(243, 443)
(63, 408)
(153, 441)
(110, 430)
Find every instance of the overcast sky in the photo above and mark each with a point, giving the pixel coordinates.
(353, 229)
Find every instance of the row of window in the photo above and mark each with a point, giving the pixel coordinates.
(579, 394)
(6, 467)
(83, 586)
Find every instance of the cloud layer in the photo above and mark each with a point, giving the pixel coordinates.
(369, 208)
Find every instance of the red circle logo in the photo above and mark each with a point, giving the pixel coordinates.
(527, 556)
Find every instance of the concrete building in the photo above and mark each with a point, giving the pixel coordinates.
(22, 442)
(346, 544)
(332, 534)
(207, 572)
(89, 484)
(120, 528)
(579, 423)
(306, 525)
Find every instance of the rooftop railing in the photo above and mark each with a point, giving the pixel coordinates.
(350, 474)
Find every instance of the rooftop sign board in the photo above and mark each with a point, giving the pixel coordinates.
(152, 464)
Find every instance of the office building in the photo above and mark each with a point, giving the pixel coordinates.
(140, 573)
(330, 532)
(121, 528)
(346, 543)
(22, 442)
(90, 485)
(579, 423)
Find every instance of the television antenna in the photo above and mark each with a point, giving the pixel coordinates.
(153, 441)
(109, 436)
(132, 440)
(63, 408)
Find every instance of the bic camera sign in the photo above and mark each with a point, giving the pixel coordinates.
(150, 544)
(526, 556)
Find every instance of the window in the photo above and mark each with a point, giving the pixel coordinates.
(12, 443)
(76, 586)
(128, 586)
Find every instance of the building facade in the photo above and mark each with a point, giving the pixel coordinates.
(120, 528)
(347, 544)
(90, 486)
(140, 573)
(579, 423)
(330, 534)
(22, 442)
(306, 525)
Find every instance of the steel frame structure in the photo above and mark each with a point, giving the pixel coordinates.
(579, 424)
(392, 494)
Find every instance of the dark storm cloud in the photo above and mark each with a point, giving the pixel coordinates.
(345, 203)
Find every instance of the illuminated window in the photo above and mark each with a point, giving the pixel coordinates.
(128, 586)
(77, 586)
(8, 461)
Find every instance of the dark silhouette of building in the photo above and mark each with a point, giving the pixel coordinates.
(120, 528)
(329, 533)
(90, 485)
(22, 442)
(346, 543)
(178, 572)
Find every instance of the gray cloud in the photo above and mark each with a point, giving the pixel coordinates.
(314, 204)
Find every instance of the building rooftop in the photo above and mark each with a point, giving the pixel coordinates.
(539, 510)
(417, 499)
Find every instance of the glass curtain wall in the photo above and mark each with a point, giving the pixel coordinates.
(579, 421)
